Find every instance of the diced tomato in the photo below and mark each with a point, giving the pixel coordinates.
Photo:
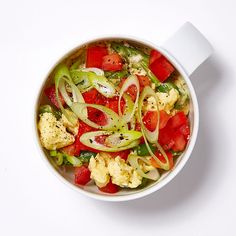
(112, 62)
(90, 95)
(95, 56)
(185, 130)
(143, 81)
(110, 188)
(154, 55)
(161, 68)
(50, 92)
(83, 128)
(138, 126)
(175, 133)
(179, 142)
(122, 154)
(131, 91)
(97, 116)
(165, 137)
(162, 159)
(70, 150)
(164, 117)
(112, 103)
(82, 175)
(100, 100)
(150, 120)
(177, 120)
(101, 139)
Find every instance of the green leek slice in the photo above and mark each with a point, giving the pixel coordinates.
(88, 139)
(113, 120)
(133, 160)
(102, 85)
(149, 136)
(81, 76)
(62, 75)
(93, 77)
(130, 106)
(120, 139)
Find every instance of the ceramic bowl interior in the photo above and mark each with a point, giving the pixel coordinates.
(67, 175)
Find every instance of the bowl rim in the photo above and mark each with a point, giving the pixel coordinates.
(184, 158)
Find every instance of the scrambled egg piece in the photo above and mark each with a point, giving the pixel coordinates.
(135, 59)
(103, 167)
(133, 65)
(183, 101)
(99, 171)
(123, 174)
(53, 134)
(166, 101)
(72, 128)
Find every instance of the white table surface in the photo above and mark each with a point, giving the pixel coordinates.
(201, 200)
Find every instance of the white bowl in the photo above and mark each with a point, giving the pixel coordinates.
(186, 50)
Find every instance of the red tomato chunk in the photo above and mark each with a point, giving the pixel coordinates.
(82, 175)
(95, 56)
(164, 117)
(110, 188)
(122, 154)
(176, 133)
(150, 120)
(143, 81)
(112, 62)
(162, 159)
(51, 94)
(160, 66)
(154, 55)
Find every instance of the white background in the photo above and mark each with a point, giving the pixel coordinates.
(199, 201)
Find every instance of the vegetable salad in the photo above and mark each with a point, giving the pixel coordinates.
(116, 114)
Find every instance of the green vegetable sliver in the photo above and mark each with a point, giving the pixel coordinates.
(133, 160)
(152, 137)
(62, 73)
(89, 139)
(130, 106)
(113, 120)
(101, 84)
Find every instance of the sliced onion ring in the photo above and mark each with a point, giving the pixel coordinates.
(149, 136)
(62, 73)
(89, 139)
(133, 160)
(129, 112)
(114, 122)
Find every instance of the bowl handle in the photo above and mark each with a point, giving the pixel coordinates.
(189, 47)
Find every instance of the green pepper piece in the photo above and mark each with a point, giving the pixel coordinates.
(86, 155)
(166, 87)
(129, 51)
(143, 151)
(117, 75)
(73, 160)
(144, 183)
(45, 108)
(59, 159)
(174, 153)
(53, 153)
